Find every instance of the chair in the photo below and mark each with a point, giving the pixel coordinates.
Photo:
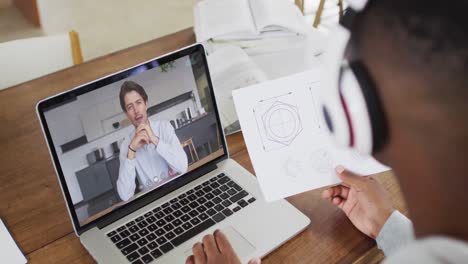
(191, 148)
(318, 14)
(27, 59)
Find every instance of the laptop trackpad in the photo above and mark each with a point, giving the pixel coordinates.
(240, 245)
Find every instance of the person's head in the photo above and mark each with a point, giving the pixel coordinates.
(417, 53)
(133, 100)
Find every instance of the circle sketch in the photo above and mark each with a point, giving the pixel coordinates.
(281, 123)
(293, 168)
(321, 161)
(278, 121)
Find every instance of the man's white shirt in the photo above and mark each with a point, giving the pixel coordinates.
(152, 164)
(396, 240)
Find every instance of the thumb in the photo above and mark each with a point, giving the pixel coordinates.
(255, 261)
(348, 177)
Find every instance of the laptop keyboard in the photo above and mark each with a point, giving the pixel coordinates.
(156, 232)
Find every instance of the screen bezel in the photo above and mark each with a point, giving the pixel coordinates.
(67, 96)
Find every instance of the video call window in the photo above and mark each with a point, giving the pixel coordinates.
(162, 114)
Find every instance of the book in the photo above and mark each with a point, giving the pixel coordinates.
(247, 19)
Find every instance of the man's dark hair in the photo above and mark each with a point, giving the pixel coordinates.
(127, 87)
(428, 39)
(430, 29)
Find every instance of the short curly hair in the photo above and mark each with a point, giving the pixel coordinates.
(429, 39)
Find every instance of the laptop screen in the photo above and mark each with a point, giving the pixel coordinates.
(128, 134)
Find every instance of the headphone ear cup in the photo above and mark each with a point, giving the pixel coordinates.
(357, 116)
(370, 123)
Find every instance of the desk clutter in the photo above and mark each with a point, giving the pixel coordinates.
(267, 54)
(42, 235)
(258, 26)
(247, 19)
(252, 41)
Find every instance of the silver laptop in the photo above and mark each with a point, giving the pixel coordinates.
(144, 168)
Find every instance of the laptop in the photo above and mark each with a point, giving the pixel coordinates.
(144, 167)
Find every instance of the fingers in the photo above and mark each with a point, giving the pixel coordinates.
(210, 245)
(190, 260)
(143, 132)
(255, 261)
(340, 190)
(338, 201)
(144, 128)
(349, 177)
(223, 244)
(337, 195)
(143, 136)
(141, 127)
(198, 253)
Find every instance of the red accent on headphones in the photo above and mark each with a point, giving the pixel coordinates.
(350, 123)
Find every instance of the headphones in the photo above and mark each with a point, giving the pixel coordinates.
(350, 104)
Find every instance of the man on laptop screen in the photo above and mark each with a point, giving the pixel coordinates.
(152, 149)
(134, 113)
(145, 171)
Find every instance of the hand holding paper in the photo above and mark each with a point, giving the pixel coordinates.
(287, 141)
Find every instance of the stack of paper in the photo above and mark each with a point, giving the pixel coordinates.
(273, 24)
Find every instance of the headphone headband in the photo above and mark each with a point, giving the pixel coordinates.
(350, 103)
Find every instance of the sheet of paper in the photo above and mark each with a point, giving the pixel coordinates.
(218, 17)
(289, 146)
(9, 253)
(278, 14)
(230, 69)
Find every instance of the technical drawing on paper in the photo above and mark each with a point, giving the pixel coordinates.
(278, 121)
(321, 161)
(314, 86)
(295, 168)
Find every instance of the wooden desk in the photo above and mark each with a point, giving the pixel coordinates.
(33, 208)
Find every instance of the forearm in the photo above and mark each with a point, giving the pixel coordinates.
(396, 232)
(126, 181)
(131, 153)
(174, 156)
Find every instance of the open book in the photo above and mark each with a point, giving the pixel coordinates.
(246, 19)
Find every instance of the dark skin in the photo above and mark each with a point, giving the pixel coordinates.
(426, 147)
(430, 169)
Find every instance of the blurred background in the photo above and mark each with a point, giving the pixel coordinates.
(106, 26)
(38, 37)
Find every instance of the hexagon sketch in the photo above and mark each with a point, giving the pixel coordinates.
(278, 121)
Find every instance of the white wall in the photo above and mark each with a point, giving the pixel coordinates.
(64, 123)
(106, 26)
(89, 110)
(160, 86)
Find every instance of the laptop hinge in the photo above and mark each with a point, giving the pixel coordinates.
(156, 194)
